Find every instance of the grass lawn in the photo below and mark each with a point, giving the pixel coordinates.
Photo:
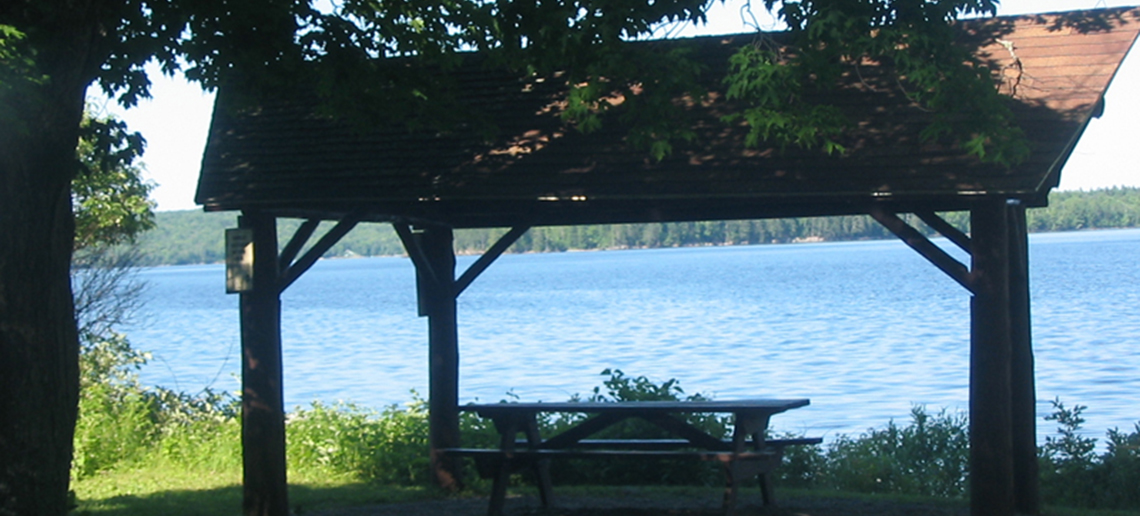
(173, 492)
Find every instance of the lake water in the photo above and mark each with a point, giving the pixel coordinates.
(864, 329)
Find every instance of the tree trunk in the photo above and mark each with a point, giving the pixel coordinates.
(39, 347)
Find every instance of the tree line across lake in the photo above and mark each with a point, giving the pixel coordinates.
(191, 236)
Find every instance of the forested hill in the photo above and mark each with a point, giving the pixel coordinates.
(185, 237)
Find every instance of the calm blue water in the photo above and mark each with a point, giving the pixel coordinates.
(864, 329)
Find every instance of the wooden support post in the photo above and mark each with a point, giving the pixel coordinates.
(431, 249)
(263, 411)
(991, 454)
(1003, 433)
(437, 299)
(1023, 390)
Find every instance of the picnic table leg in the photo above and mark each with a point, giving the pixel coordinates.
(541, 466)
(731, 477)
(499, 488)
(766, 492)
(755, 426)
(508, 428)
(737, 469)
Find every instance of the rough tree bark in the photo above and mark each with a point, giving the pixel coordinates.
(39, 347)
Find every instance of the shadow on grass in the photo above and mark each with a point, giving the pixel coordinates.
(227, 500)
(187, 502)
(363, 499)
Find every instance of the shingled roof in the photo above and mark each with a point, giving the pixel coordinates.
(284, 158)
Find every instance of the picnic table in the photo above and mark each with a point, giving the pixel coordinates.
(747, 454)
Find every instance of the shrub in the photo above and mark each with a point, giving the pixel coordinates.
(927, 457)
(1073, 474)
(198, 432)
(620, 387)
(123, 423)
(1121, 465)
(114, 427)
(802, 465)
(387, 447)
(1068, 473)
(115, 422)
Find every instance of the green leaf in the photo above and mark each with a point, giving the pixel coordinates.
(109, 196)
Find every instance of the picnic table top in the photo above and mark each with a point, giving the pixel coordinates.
(770, 406)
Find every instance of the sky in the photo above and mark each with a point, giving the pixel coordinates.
(176, 119)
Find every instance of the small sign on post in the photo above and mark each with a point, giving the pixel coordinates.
(239, 260)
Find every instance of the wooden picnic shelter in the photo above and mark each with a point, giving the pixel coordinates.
(280, 156)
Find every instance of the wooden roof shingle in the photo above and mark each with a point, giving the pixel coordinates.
(284, 158)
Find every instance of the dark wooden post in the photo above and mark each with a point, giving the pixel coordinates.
(991, 457)
(262, 406)
(1022, 385)
(437, 302)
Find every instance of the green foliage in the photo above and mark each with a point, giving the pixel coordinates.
(927, 457)
(18, 73)
(111, 206)
(1068, 459)
(114, 427)
(1073, 474)
(1098, 209)
(117, 422)
(389, 447)
(620, 387)
(186, 237)
(109, 196)
(1069, 447)
(912, 39)
(110, 361)
(122, 422)
(803, 466)
(123, 425)
(646, 87)
(1121, 464)
(209, 440)
(114, 417)
(775, 112)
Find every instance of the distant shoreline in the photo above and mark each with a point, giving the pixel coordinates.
(190, 237)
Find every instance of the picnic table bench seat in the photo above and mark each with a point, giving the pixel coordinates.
(487, 458)
(675, 444)
(746, 455)
(737, 466)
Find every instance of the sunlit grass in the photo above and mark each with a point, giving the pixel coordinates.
(170, 491)
(179, 492)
